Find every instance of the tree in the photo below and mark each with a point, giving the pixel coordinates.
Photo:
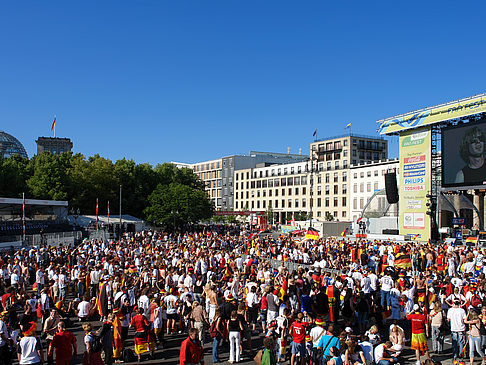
(269, 213)
(49, 176)
(176, 204)
(13, 176)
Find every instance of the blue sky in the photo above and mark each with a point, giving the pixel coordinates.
(188, 81)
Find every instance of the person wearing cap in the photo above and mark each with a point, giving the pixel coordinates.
(420, 327)
(316, 333)
(29, 348)
(456, 316)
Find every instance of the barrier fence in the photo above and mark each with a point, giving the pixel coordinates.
(293, 266)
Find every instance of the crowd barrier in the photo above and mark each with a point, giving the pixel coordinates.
(293, 266)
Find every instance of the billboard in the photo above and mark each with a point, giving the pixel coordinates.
(420, 118)
(415, 167)
(463, 155)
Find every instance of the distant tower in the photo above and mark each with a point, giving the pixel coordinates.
(53, 145)
(9, 146)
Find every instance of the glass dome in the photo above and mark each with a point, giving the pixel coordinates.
(9, 146)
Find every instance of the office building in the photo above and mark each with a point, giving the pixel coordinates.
(368, 179)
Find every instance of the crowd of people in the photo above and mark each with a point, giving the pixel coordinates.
(330, 301)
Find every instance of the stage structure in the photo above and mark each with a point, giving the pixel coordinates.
(442, 148)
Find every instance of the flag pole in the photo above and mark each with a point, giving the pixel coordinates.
(23, 217)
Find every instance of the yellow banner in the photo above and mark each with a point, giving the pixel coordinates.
(455, 109)
(415, 167)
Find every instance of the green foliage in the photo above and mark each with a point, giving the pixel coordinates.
(82, 180)
(329, 217)
(13, 176)
(176, 204)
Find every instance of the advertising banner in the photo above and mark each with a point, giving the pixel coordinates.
(455, 109)
(415, 167)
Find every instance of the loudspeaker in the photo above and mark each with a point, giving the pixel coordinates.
(391, 187)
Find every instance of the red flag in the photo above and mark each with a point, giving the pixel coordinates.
(53, 124)
(96, 213)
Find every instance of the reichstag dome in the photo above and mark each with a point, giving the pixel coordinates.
(9, 146)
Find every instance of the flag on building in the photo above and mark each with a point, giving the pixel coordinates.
(53, 124)
(312, 234)
(348, 125)
(403, 260)
(315, 133)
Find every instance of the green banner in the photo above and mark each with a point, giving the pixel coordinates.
(415, 168)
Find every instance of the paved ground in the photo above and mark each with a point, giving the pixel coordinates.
(170, 354)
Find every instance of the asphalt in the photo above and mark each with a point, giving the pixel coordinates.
(170, 353)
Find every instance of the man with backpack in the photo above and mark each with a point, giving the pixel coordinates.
(327, 341)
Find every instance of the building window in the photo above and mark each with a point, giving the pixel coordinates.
(303, 190)
(336, 165)
(319, 178)
(297, 180)
(296, 191)
(355, 188)
(304, 180)
(303, 202)
(361, 203)
(296, 203)
(335, 202)
(327, 179)
(375, 187)
(345, 176)
(344, 214)
(361, 188)
(290, 203)
(345, 189)
(276, 203)
(343, 201)
(376, 172)
(368, 187)
(327, 202)
(327, 189)
(318, 190)
(336, 189)
(318, 202)
(336, 177)
(355, 203)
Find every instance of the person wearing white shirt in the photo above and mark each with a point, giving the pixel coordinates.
(386, 285)
(456, 316)
(83, 309)
(95, 280)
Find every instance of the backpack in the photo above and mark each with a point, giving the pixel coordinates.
(128, 355)
(476, 301)
(96, 344)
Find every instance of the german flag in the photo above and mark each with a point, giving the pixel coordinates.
(312, 234)
(343, 233)
(403, 261)
(472, 239)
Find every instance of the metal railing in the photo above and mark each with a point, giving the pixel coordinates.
(293, 266)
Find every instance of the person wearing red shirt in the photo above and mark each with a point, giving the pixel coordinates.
(64, 343)
(264, 309)
(192, 352)
(297, 331)
(420, 326)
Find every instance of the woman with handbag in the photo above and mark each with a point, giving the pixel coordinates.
(474, 323)
(436, 318)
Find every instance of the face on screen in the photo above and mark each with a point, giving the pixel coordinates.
(464, 155)
(476, 148)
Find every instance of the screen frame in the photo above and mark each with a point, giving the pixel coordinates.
(462, 186)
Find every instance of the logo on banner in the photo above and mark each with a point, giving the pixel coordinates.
(414, 166)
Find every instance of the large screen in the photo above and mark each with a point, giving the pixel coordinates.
(463, 155)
